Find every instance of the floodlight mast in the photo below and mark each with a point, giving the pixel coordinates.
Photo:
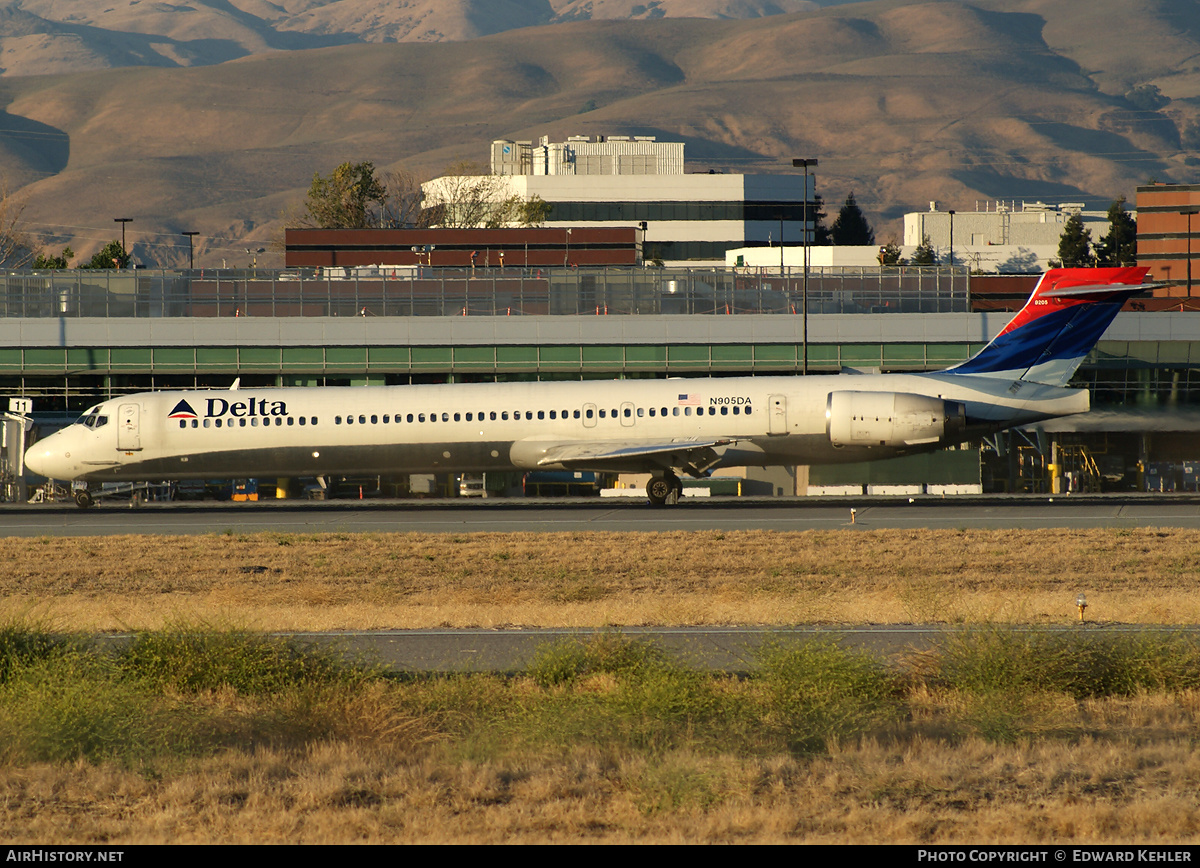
(804, 163)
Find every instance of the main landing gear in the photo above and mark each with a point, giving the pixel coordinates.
(664, 490)
(83, 498)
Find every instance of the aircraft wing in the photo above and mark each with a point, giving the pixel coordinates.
(696, 457)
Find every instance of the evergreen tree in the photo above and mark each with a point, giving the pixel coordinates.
(851, 227)
(54, 262)
(110, 256)
(925, 254)
(821, 236)
(889, 255)
(1075, 244)
(1119, 246)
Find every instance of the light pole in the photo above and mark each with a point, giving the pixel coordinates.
(253, 252)
(566, 247)
(1189, 211)
(951, 213)
(805, 163)
(191, 258)
(123, 221)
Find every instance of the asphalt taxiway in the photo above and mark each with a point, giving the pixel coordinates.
(1000, 512)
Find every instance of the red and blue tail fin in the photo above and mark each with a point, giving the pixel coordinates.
(1069, 310)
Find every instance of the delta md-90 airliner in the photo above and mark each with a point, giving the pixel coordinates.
(664, 427)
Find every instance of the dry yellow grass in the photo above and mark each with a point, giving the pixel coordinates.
(1104, 770)
(410, 580)
(1122, 788)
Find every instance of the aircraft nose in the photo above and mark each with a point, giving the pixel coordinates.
(37, 459)
(45, 459)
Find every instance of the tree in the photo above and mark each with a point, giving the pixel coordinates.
(16, 251)
(851, 227)
(403, 204)
(1147, 97)
(1075, 244)
(821, 236)
(1119, 246)
(889, 255)
(925, 254)
(343, 200)
(469, 196)
(112, 255)
(54, 262)
(521, 212)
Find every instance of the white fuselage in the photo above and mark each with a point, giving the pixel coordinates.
(502, 426)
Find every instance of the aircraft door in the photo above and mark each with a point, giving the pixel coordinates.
(777, 417)
(589, 415)
(129, 437)
(627, 412)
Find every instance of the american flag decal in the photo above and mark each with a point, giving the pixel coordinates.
(691, 399)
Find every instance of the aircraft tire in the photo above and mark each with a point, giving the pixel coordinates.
(83, 498)
(658, 490)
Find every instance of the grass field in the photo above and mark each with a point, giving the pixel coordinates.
(203, 733)
(370, 581)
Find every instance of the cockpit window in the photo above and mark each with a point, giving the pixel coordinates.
(92, 419)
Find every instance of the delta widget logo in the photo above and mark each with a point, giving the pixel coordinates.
(183, 410)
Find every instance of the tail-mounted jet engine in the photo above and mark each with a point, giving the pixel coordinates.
(892, 419)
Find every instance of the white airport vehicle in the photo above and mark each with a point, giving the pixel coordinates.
(664, 427)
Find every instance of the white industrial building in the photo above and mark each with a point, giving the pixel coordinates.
(638, 181)
(1003, 237)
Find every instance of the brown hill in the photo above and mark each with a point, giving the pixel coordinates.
(39, 37)
(903, 102)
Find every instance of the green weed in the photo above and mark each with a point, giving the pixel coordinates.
(818, 692)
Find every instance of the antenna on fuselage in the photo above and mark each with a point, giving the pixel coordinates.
(236, 383)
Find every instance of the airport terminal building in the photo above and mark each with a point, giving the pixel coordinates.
(75, 337)
(627, 279)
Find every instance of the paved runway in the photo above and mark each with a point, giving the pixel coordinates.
(725, 649)
(459, 516)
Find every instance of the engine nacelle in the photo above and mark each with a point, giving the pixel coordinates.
(892, 419)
